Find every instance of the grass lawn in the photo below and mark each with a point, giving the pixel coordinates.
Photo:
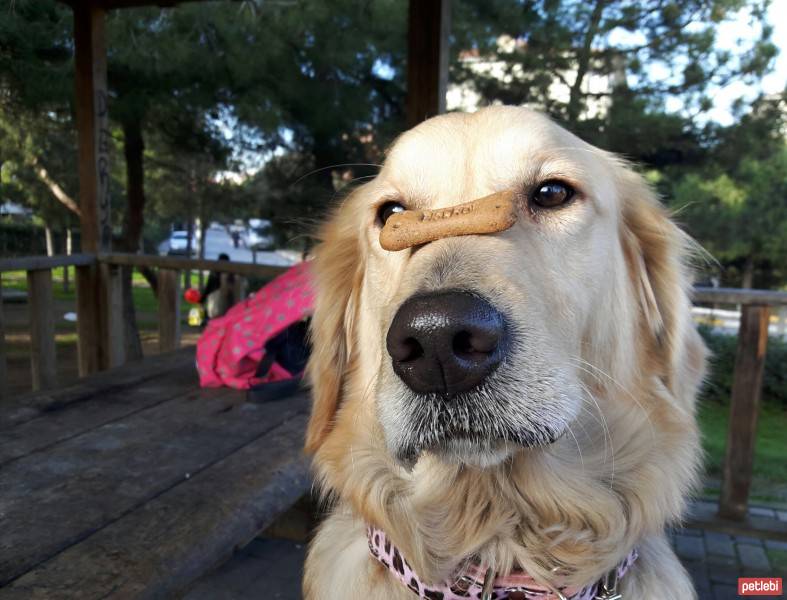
(770, 459)
(144, 299)
(778, 560)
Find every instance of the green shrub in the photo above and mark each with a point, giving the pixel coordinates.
(718, 385)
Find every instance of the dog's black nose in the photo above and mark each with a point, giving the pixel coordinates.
(445, 342)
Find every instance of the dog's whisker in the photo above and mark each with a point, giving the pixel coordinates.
(579, 450)
(602, 421)
(319, 170)
(607, 434)
(622, 388)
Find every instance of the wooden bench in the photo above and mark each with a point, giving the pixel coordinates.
(134, 482)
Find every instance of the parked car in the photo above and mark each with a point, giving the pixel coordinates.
(259, 235)
(178, 242)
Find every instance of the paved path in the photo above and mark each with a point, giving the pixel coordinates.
(271, 568)
(716, 560)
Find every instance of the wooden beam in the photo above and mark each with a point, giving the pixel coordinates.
(181, 264)
(42, 329)
(34, 263)
(3, 360)
(112, 4)
(744, 409)
(429, 26)
(168, 310)
(738, 296)
(94, 145)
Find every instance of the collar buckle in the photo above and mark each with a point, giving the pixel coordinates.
(608, 588)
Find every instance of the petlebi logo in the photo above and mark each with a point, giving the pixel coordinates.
(760, 586)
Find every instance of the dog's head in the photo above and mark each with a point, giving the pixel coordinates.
(472, 347)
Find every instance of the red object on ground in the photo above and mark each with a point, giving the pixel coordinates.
(192, 296)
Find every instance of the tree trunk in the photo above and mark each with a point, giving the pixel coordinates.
(203, 231)
(583, 62)
(190, 227)
(133, 150)
(50, 242)
(69, 249)
(748, 273)
(58, 192)
(189, 250)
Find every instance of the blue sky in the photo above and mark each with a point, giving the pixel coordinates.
(737, 34)
(742, 30)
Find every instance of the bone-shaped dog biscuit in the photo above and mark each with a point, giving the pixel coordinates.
(490, 214)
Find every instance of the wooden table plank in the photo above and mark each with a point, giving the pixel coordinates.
(159, 549)
(68, 420)
(115, 381)
(88, 482)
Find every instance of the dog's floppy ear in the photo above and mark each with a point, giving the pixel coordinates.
(337, 274)
(656, 250)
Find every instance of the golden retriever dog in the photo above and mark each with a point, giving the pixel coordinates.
(520, 402)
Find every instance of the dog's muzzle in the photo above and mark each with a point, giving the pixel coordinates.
(446, 342)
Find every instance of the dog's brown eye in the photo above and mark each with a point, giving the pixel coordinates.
(551, 194)
(388, 209)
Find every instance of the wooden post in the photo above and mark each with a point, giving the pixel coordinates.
(429, 25)
(168, 310)
(228, 286)
(112, 276)
(239, 291)
(744, 408)
(42, 329)
(3, 362)
(94, 144)
(88, 326)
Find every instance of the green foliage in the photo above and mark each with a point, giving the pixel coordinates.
(36, 49)
(718, 386)
(211, 87)
(734, 204)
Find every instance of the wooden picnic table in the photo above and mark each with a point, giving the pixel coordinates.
(134, 482)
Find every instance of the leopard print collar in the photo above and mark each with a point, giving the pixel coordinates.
(471, 584)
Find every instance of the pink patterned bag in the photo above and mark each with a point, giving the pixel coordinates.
(230, 349)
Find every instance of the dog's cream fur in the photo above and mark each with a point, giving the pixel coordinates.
(599, 289)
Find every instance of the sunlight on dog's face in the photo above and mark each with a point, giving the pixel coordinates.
(473, 343)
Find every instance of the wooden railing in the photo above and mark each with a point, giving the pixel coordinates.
(107, 329)
(746, 390)
(749, 364)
